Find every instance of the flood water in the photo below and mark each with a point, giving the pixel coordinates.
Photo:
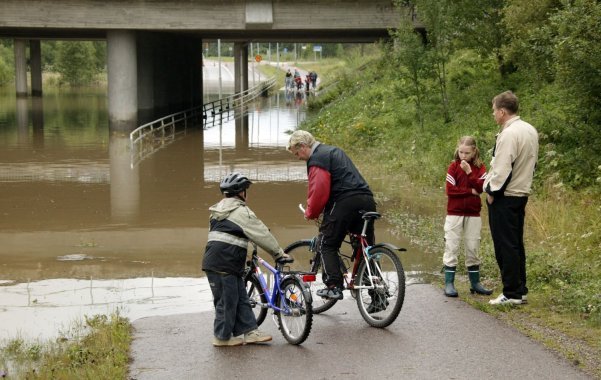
(87, 227)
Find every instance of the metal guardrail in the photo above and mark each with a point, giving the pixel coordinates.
(218, 107)
(156, 134)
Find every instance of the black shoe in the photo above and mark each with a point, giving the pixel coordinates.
(331, 293)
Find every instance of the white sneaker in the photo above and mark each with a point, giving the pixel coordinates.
(502, 300)
(256, 336)
(228, 342)
(524, 299)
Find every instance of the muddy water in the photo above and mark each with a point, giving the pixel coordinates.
(89, 226)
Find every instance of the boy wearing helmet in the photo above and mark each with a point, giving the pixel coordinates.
(232, 225)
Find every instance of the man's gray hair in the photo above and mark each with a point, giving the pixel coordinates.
(300, 137)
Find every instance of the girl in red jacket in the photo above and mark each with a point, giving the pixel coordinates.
(465, 178)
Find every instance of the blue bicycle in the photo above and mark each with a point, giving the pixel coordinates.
(289, 297)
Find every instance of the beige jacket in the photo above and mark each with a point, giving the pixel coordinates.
(514, 159)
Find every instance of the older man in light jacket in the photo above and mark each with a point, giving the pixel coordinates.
(508, 185)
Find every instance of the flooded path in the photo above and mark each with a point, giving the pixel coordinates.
(84, 230)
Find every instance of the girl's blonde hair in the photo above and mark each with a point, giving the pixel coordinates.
(469, 141)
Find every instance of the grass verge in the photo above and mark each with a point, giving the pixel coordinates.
(97, 349)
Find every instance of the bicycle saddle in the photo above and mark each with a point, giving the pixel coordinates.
(371, 215)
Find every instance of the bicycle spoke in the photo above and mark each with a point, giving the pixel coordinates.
(383, 281)
(257, 298)
(308, 261)
(296, 317)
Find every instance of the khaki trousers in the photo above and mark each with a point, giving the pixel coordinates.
(454, 226)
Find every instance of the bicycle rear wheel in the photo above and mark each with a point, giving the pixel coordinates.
(257, 298)
(306, 260)
(296, 317)
(381, 304)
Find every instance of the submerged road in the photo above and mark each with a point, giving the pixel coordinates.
(434, 337)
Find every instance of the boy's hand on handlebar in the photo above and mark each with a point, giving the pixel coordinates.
(284, 259)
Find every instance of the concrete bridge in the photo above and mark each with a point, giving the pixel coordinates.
(154, 48)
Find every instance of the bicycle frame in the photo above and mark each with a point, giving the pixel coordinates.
(255, 265)
(361, 252)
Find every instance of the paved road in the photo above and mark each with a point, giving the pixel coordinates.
(211, 71)
(434, 338)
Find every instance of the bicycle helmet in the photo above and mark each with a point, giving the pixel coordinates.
(234, 183)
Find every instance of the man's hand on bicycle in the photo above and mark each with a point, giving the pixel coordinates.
(284, 259)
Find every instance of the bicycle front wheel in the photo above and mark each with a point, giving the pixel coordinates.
(306, 260)
(296, 317)
(380, 284)
(257, 298)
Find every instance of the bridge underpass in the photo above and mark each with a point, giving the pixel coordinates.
(154, 49)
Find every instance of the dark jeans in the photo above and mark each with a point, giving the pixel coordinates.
(342, 217)
(233, 314)
(506, 219)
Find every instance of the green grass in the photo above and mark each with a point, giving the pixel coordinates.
(97, 350)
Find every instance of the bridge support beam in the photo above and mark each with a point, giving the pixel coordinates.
(122, 80)
(35, 65)
(20, 68)
(240, 66)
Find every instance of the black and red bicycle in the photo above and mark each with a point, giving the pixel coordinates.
(373, 274)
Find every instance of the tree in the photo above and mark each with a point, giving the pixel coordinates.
(576, 57)
(479, 27)
(100, 55)
(49, 52)
(6, 61)
(439, 18)
(529, 42)
(76, 62)
(412, 58)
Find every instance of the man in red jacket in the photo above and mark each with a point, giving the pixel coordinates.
(336, 189)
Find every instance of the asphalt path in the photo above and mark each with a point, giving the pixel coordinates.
(434, 337)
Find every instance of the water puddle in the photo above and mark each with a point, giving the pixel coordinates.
(44, 309)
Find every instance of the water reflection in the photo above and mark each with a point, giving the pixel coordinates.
(124, 181)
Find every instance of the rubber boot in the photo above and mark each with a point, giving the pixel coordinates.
(476, 287)
(449, 279)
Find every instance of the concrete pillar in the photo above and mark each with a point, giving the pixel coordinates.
(122, 80)
(20, 68)
(237, 69)
(242, 138)
(240, 66)
(244, 66)
(35, 64)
